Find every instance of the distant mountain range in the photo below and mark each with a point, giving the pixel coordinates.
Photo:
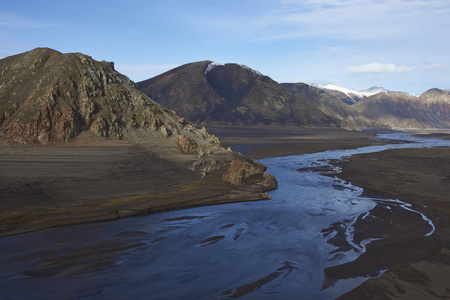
(397, 109)
(350, 96)
(47, 95)
(209, 93)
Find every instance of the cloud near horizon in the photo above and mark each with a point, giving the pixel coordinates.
(375, 67)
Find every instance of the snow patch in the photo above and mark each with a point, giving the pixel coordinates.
(212, 66)
(250, 69)
(351, 93)
(215, 64)
(374, 90)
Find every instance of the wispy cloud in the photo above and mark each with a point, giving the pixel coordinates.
(368, 19)
(429, 66)
(376, 67)
(380, 68)
(340, 20)
(138, 72)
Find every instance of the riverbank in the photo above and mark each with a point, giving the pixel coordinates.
(419, 268)
(94, 179)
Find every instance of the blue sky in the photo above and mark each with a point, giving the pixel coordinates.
(397, 44)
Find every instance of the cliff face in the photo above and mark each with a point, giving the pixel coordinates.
(206, 92)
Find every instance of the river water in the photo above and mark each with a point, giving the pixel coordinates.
(273, 249)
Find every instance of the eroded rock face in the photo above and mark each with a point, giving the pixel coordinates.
(269, 181)
(242, 169)
(187, 144)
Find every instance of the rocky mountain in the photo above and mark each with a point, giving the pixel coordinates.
(348, 117)
(378, 107)
(400, 110)
(47, 96)
(212, 93)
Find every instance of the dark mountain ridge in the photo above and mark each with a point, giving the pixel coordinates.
(206, 92)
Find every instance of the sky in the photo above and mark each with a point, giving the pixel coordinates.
(401, 45)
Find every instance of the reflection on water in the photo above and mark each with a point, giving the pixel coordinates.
(274, 249)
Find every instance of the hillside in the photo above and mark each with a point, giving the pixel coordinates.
(348, 117)
(211, 93)
(47, 96)
(400, 110)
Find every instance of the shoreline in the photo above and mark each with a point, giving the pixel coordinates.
(415, 177)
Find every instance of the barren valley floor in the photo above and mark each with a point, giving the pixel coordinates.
(46, 186)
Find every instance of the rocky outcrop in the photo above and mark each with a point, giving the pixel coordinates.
(240, 170)
(187, 144)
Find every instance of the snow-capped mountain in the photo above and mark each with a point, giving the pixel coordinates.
(215, 64)
(350, 96)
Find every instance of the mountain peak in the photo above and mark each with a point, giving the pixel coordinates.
(47, 95)
(213, 64)
(435, 95)
(230, 94)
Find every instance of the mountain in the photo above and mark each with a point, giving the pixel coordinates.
(350, 96)
(438, 103)
(393, 109)
(47, 97)
(348, 117)
(212, 93)
(400, 110)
